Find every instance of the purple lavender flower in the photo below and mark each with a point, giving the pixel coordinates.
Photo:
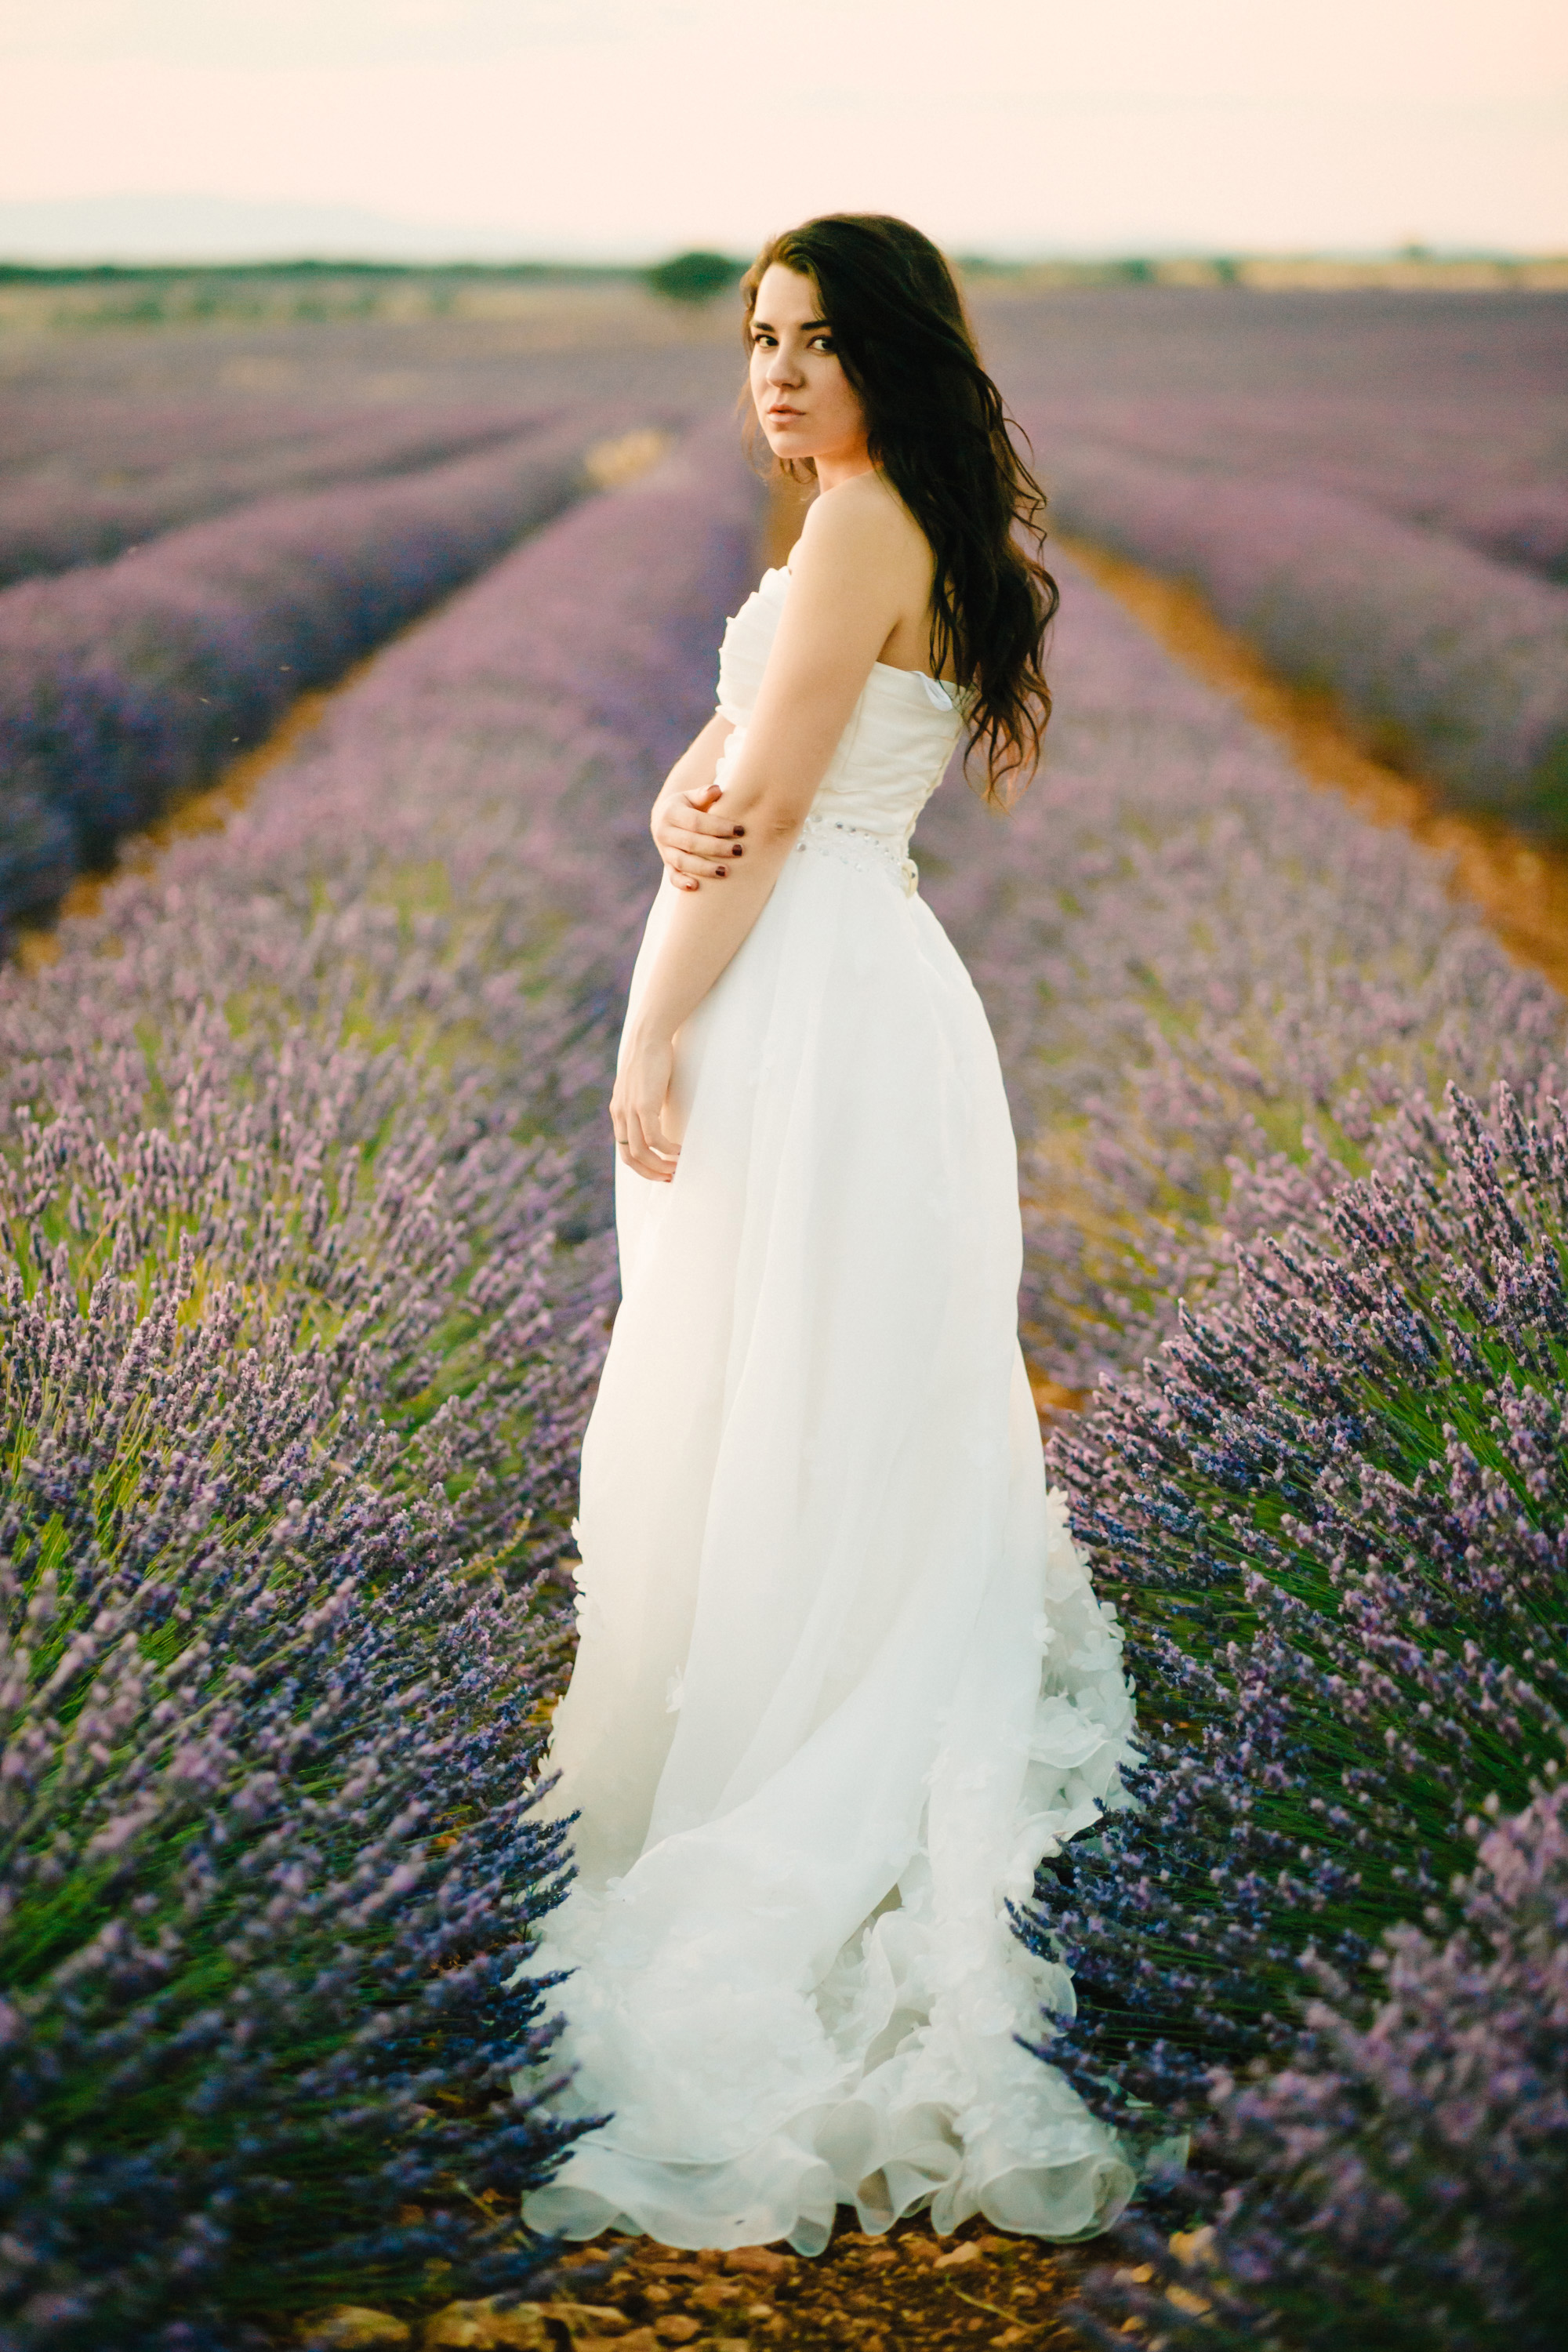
(1455, 663)
(1370, 488)
(1335, 1508)
(1402, 2178)
(302, 1211)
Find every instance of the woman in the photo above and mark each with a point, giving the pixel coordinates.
(842, 1680)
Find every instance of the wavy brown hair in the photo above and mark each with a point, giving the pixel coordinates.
(937, 428)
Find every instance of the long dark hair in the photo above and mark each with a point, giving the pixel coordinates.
(937, 428)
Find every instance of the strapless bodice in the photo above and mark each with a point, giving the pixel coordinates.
(891, 757)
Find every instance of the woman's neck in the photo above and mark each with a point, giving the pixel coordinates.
(842, 465)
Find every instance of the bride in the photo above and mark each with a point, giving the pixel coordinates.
(842, 1681)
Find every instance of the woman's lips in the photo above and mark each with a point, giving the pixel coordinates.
(783, 415)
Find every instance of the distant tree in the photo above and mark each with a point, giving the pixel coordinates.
(695, 276)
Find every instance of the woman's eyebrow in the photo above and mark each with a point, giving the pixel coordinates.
(807, 326)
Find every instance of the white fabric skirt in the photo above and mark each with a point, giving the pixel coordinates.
(842, 1679)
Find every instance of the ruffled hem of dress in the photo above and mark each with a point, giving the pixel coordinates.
(900, 2083)
(790, 2186)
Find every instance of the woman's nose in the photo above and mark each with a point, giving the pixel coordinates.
(782, 369)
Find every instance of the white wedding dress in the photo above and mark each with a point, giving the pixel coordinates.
(842, 1679)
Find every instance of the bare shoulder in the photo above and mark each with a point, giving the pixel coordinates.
(864, 522)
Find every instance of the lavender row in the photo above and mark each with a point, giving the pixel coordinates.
(1445, 411)
(1453, 664)
(304, 1209)
(1405, 2175)
(1222, 1001)
(123, 685)
(132, 410)
(1211, 983)
(1336, 1508)
(1485, 471)
(165, 468)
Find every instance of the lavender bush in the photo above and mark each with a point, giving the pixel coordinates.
(267, 1866)
(1453, 663)
(1336, 1508)
(1404, 2174)
(123, 685)
(58, 514)
(305, 1204)
(1369, 487)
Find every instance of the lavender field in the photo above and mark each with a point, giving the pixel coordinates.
(1372, 489)
(306, 1278)
(197, 527)
(305, 1221)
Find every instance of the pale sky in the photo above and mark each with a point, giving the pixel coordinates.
(634, 127)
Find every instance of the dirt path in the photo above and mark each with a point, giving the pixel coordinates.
(909, 2292)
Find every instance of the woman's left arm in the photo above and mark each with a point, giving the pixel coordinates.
(841, 609)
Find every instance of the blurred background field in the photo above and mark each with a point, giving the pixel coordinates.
(1370, 483)
(38, 299)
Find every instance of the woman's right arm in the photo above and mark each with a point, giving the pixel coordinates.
(694, 845)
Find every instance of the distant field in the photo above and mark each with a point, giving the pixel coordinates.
(1372, 485)
(1417, 399)
(199, 522)
(41, 298)
(112, 437)
(74, 401)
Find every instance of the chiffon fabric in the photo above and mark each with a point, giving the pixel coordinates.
(842, 1680)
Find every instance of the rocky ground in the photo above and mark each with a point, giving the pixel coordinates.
(909, 2292)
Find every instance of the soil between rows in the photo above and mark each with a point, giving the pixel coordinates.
(908, 2292)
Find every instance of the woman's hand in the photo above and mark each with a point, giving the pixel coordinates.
(639, 1108)
(695, 843)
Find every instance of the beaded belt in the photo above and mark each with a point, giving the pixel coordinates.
(853, 845)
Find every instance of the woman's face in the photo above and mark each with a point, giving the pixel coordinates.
(805, 403)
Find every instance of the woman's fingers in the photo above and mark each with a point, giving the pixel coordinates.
(693, 858)
(706, 819)
(704, 846)
(664, 1152)
(640, 1142)
(645, 1150)
(672, 840)
(692, 869)
(633, 1152)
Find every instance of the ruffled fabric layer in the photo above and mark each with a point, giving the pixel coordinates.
(843, 1681)
(753, 2098)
